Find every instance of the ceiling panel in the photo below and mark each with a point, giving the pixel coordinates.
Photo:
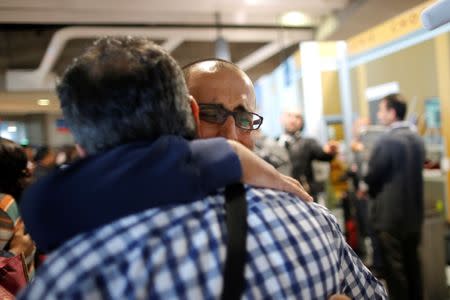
(189, 52)
(75, 48)
(27, 26)
(45, 11)
(271, 63)
(24, 49)
(369, 14)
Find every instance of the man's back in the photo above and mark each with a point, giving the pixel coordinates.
(395, 181)
(294, 250)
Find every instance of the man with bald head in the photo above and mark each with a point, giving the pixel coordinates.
(222, 90)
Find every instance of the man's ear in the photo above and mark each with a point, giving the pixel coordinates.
(195, 110)
(81, 151)
(393, 115)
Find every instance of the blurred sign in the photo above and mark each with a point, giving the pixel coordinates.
(433, 113)
(395, 28)
(61, 126)
(377, 92)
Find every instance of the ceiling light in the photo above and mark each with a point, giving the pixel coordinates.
(43, 102)
(294, 18)
(12, 128)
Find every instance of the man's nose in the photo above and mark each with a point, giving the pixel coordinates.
(229, 130)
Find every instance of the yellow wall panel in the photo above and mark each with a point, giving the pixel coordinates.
(414, 68)
(442, 50)
(332, 100)
(331, 93)
(361, 74)
(388, 31)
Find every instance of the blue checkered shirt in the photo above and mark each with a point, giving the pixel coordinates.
(295, 250)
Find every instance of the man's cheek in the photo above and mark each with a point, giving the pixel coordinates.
(247, 139)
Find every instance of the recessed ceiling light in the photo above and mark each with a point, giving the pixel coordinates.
(12, 128)
(43, 102)
(294, 18)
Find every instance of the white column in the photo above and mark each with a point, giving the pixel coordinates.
(312, 91)
(345, 90)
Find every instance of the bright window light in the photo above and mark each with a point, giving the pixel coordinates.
(12, 129)
(294, 18)
(5, 134)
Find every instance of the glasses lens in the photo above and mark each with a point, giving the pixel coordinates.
(257, 121)
(212, 114)
(247, 120)
(244, 119)
(218, 115)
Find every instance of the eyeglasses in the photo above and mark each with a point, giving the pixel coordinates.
(217, 114)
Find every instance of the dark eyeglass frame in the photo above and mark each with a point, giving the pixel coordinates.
(225, 113)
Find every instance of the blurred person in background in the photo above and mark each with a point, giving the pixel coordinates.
(357, 171)
(14, 172)
(29, 152)
(14, 178)
(227, 104)
(302, 151)
(65, 156)
(395, 188)
(268, 149)
(45, 161)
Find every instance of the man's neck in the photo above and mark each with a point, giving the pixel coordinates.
(293, 134)
(288, 138)
(402, 124)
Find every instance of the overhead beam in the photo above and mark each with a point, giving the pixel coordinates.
(171, 44)
(57, 26)
(61, 37)
(264, 53)
(331, 23)
(26, 102)
(43, 79)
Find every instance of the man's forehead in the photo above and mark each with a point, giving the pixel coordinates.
(213, 69)
(292, 111)
(238, 102)
(229, 81)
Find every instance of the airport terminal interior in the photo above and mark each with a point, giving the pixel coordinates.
(330, 63)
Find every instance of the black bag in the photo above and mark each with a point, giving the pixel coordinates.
(236, 219)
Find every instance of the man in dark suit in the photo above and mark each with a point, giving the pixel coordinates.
(396, 189)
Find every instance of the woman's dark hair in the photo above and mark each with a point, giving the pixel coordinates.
(13, 168)
(41, 153)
